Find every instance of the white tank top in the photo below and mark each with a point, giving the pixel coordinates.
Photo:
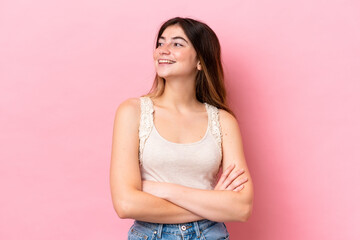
(189, 164)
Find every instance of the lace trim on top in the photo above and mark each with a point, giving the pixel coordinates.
(215, 126)
(146, 124)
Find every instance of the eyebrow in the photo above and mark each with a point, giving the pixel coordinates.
(177, 37)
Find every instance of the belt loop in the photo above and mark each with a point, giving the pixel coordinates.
(159, 230)
(197, 229)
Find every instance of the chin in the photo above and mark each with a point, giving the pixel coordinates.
(163, 75)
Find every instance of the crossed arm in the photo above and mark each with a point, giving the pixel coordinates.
(215, 205)
(227, 202)
(167, 202)
(219, 206)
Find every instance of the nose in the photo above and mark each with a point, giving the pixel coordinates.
(164, 49)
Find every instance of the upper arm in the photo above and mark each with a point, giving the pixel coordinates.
(124, 168)
(233, 150)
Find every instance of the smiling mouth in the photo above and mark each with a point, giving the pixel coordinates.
(165, 61)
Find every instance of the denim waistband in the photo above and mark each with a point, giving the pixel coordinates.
(179, 228)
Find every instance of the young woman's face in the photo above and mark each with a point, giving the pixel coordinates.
(175, 47)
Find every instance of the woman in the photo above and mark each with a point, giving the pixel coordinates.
(169, 145)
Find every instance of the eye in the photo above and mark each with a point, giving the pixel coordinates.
(158, 44)
(178, 44)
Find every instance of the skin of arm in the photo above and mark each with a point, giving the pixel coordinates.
(129, 201)
(146, 207)
(215, 207)
(222, 205)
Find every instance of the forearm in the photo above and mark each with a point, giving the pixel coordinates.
(215, 205)
(143, 206)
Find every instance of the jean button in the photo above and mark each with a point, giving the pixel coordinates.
(183, 227)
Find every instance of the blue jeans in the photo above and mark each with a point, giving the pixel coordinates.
(199, 230)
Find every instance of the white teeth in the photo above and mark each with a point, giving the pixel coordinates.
(165, 61)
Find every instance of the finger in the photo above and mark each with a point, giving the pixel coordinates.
(237, 183)
(225, 174)
(238, 189)
(233, 176)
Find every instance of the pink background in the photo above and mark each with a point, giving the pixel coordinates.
(292, 72)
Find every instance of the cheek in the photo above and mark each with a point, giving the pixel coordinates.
(189, 56)
(182, 56)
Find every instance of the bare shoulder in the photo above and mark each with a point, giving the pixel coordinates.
(128, 111)
(227, 121)
(129, 106)
(127, 118)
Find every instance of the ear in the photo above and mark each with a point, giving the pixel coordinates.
(198, 66)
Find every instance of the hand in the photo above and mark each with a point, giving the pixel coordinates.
(231, 182)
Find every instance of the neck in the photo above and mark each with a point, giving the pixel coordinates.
(179, 94)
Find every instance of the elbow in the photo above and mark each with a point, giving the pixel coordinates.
(124, 205)
(245, 212)
(246, 206)
(122, 209)
(121, 213)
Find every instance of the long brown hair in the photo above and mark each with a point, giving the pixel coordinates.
(209, 81)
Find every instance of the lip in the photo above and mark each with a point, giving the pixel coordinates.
(166, 59)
